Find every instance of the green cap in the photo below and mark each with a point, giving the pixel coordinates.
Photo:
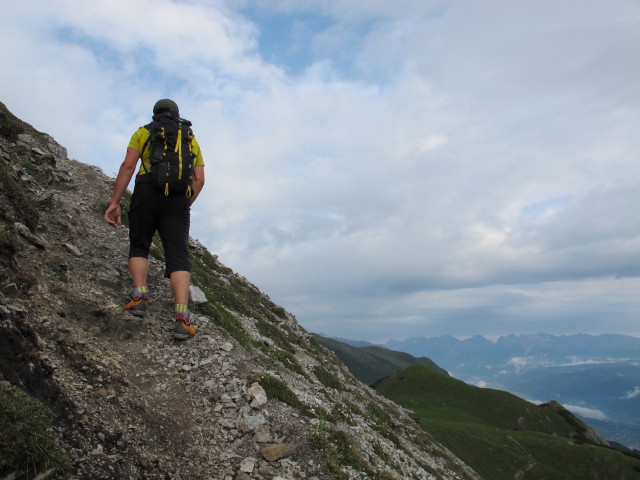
(166, 105)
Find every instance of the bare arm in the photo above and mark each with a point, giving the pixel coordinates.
(198, 181)
(113, 213)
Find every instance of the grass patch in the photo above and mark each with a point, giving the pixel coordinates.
(380, 453)
(221, 287)
(321, 414)
(30, 168)
(327, 378)
(289, 361)
(227, 321)
(284, 351)
(26, 445)
(387, 433)
(227, 293)
(379, 475)
(276, 334)
(377, 413)
(205, 271)
(338, 451)
(341, 413)
(277, 389)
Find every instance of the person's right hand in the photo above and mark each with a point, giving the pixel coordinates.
(113, 214)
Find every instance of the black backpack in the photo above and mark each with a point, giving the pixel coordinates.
(170, 154)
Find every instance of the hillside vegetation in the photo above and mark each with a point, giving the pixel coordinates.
(503, 436)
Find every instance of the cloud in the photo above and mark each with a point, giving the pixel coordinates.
(586, 412)
(635, 393)
(523, 363)
(444, 167)
(95, 65)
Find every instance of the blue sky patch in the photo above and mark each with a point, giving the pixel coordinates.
(286, 38)
(544, 207)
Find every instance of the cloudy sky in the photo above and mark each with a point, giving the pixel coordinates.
(380, 169)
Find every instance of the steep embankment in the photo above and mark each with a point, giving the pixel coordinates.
(251, 396)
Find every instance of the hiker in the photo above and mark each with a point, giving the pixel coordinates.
(160, 205)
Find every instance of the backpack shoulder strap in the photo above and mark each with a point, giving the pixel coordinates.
(145, 145)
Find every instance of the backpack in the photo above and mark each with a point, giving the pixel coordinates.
(170, 154)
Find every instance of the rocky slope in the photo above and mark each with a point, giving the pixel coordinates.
(252, 396)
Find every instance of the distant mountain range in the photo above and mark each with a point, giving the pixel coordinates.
(595, 376)
(516, 353)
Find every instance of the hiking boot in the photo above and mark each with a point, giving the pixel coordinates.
(182, 327)
(137, 306)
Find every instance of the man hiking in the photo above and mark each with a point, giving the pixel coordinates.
(169, 180)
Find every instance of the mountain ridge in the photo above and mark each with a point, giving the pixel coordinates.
(479, 424)
(596, 376)
(503, 436)
(369, 363)
(518, 339)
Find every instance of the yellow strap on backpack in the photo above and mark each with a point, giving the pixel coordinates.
(178, 150)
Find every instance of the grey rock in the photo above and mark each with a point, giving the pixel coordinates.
(258, 395)
(25, 139)
(33, 238)
(248, 465)
(72, 249)
(249, 424)
(262, 434)
(197, 295)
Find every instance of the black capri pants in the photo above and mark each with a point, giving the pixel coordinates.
(150, 211)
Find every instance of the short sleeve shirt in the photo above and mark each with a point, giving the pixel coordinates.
(138, 140)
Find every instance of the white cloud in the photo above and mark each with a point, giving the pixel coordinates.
(586, 412)
(632, 394)
(523, 363)
(447, 167)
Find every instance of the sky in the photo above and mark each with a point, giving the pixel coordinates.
(380, 169)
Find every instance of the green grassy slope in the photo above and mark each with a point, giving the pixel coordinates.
(372, 363)
(501, 435)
